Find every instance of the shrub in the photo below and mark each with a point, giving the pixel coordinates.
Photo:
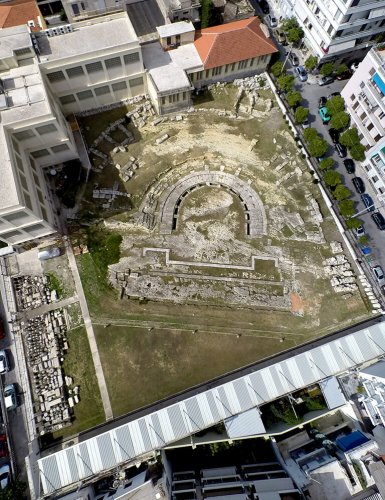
(311, 63)
(294, 99)
(301, 114)
(104, 248)
(332, 178)
(326, 164)
(341, 192)
(335, 105)
(353, 223)
(277, 68)
(346, 208)
(318, 147)
(327, 69)
(364, 240)
(340, 120)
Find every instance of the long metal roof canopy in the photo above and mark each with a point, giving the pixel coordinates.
(159, 428)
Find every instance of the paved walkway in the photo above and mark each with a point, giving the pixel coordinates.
(90, 333)
(50, 307)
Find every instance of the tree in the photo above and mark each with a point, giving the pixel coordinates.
(335, 105)
(277, 68)
(310, 134)
(327, 69)
(311, 63)
(340, 120)
(357, 152)
(350, 138)
(318, 147)
(206, 13)
(342, 68)
(326, 164)
(286, 82)
(353, 223)
(364, 240)
(332, 178)
(346, 208)
(289, 23)
(301, 114)
(294, 35)
(293, 99)
(341, 192)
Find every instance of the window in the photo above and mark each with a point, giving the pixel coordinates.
(46, 129)
(375, 178)
(75, 72)
(40, 153)
(370, 126)
(56, 76)
(362, 85)
(59, 148)
(22, 52)
(94, 67)
(119, 86)
(381, 115)
(217, 71)
(10, 235)
(355, 105)
(168, 40)
(113, 63)
(40, 196)
(163, 100)
(85, 94)
(378, 137)
(242, 64)
(15, 218)
(173, 98)
(44, 212)
(233, 67)
(131, 58)
(15, 145)
(23, 181)
(372, 71)
(352, 97)
(252, 61)
(24, 134)
(27, 200)
(75, 9)
(102, 90)
(381, 190)
(67, 99)
(19, 163)
(135, 82)
(362, 116)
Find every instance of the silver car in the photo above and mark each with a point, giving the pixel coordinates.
(4, 365)
(379, 274)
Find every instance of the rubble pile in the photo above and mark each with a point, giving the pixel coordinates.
(342, 277)
(126, 172)
(33, 291)
(141, 114)
(46, 342)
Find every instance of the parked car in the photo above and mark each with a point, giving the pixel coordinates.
(5, 476)
(368, 202)
(334, 94)
(345, 75)
(379, 274)
(272, 21)
(2, 331)
(264, 6)
(49, 253)
(305, 124)
(281, 37)
(354, 66)
(4, 365)
(293, 58)
(349, 165)
(10, 397)
(325, 80)
(3, 446)
(301, 73)
(359, 231)
(365, 249)
(334, 135)
(322, 102)
(379, 220)
(359, 185)
(341, 150)
(325, 117)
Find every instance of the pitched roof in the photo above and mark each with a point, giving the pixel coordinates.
(18, 12)
(233, 42)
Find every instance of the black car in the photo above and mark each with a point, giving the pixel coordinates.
(349, 165)
(322, 102)
(334, 94)
(379, 220)
(294, 59)
(359, 185)
(341, 150)
(264, 6)
(345, 75)
(334, 135)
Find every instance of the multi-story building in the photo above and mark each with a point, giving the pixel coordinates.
(336, 29)
(364, 95)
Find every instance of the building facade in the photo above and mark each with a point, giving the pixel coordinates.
(335, 29)
(364, 96)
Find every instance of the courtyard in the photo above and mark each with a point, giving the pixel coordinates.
(225, 245)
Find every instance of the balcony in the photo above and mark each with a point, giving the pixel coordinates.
(369, 108)
(378, 98)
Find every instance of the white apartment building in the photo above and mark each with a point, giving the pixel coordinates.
(336, 29)
(364, 95)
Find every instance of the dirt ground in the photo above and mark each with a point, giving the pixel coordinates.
(201, 277)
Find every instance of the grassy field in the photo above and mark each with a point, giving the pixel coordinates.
(148, 364)
(78, 364)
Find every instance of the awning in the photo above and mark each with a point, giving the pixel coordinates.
(379, 82)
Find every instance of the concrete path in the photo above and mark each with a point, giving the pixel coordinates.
(50, 307)
(90, 333)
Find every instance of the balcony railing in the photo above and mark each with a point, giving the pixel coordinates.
(377, 96)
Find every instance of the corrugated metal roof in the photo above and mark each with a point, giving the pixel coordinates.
(332, 392)
(248, 423)
(208, 407)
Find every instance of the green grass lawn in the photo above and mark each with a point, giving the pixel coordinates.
(78, 364)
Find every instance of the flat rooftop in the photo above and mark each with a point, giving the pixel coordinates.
(165, 73)
(13, 38)
(175, 28)
(105, 33)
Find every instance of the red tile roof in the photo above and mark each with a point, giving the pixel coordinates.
(233, 42)
(18, 12)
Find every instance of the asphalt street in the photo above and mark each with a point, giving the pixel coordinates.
(311, 93)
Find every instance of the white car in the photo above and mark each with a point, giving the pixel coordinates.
(379, 274)
(272, 21)
(359, 231)
(5, 476)
(4, 365)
